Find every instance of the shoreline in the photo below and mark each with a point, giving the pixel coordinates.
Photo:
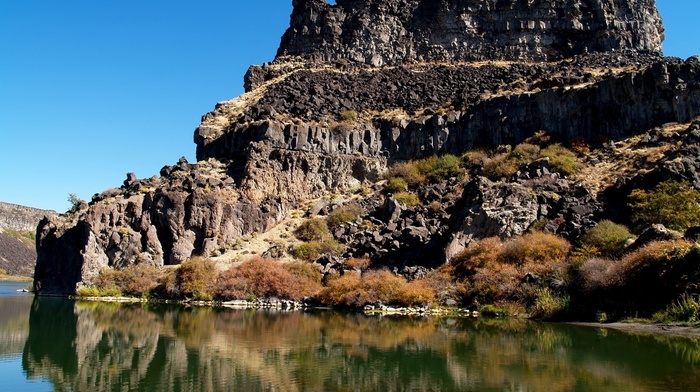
(651, 328)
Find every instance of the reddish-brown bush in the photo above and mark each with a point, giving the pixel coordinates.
(535, 247)
(416, 293)
(359, 264)
(477, 255)
(264, 278)
(355, 290)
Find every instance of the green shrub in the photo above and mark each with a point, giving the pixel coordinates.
(408, 198)
(561, 159)
(549, 305)
(684, 309)
(348, 116)
(674, 204)
(396, 184)
(196, 277)
(314, 229)
(608, 238)
(440, 168)
(88, 291)
(342, 215)
(311, 250)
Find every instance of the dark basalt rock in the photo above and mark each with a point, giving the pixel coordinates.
(459, 30)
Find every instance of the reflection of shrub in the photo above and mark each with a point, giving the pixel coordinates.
(671, 203)
(608, 238)
(263, 278)
(561, 159)
(345, 214)
(535, 247)
(312, 230)
(407, 198)
(196, 277)
(396, 184)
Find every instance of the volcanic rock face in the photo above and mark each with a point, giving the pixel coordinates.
(333, 122)
(391, 32)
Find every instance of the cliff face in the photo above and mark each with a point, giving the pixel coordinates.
(380, 32)
(319, 126)
(21, 218)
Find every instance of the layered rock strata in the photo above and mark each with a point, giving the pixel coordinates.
(380, 32)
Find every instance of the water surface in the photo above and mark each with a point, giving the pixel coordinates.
(59, 344)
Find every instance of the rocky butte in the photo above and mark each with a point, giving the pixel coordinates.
(361, 85)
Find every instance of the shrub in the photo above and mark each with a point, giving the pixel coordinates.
(561, 159)
(548, 305)
(264, 278)
(684, 309)
(499, 166)
(476, 256)
(134, 281)
(3, 271)
(409, 172)
(608, 238)
(396, 184)
(474, 158)
(435, 206)
(360, 264)
(348, 116)
(440, 168)
(353, 290)
(598, 273)
(314, 229)
(525, 153)
(408, 198)
(196, 277)
(345, 214)
(416, 293)
(535, 247)
(671, 203)
(88, 291)
(310, 251)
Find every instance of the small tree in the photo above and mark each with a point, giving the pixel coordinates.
(74, 201)
(674, 204)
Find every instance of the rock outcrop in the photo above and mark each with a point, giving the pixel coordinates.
(331, 121)
(380, 32)
(21, 218)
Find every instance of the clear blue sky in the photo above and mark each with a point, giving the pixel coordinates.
(91, 90)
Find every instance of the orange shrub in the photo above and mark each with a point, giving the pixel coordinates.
(195, 278)
(263, 278)
(416, 293)
(360, 264)
(477, 255)
(535, 247)
(343, 291)
(354, 290)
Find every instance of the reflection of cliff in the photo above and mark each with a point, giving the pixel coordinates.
(14, 324)
(86, 347)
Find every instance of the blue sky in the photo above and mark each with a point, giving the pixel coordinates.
(91, 90)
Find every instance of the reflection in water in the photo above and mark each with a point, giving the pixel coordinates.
(99, 346)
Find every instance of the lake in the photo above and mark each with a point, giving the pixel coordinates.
(64, 345)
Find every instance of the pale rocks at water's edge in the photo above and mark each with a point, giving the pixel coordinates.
(360, 86)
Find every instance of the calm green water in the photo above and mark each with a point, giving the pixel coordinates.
(57, 344)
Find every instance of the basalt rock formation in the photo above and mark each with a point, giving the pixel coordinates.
(363, 84)
(381, 32)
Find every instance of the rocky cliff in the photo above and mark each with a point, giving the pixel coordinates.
(381, 32)
(17, 227)
(329, 122)
(21, 218)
